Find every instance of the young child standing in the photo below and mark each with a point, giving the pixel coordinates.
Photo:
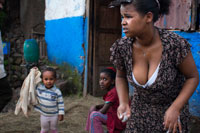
(106, 114)
(51, 105)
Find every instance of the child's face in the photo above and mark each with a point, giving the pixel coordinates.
(105, 81)
(48, 79)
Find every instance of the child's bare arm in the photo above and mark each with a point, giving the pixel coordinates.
(98, 107)
(105, 108)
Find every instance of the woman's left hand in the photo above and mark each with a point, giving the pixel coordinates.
(171, 121)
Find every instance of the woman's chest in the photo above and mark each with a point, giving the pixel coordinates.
(166, 70)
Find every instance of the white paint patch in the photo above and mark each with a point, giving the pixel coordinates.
(57, 9)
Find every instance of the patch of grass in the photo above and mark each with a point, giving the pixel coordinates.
(65, 72)
(76, 111)
(73, 77)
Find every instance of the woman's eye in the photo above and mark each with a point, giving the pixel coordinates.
(128, 16)
(104, 79)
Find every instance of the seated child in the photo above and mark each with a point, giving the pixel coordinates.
(106, 114)
(51, 105)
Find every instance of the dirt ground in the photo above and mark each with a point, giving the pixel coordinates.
(76, 109)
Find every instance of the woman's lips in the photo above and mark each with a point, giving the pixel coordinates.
(125, 30)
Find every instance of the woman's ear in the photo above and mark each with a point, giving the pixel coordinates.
(149, 17)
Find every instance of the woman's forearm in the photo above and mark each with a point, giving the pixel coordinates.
(186, 92)
(189, 70)
(122, 90)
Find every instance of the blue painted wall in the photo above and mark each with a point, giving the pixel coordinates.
(66, 32)
(194, 40)
(64, 39)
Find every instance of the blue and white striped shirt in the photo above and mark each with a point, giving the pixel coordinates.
(50, 101)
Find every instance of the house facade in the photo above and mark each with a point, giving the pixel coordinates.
(80, 33)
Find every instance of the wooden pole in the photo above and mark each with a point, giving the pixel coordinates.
(194, 15)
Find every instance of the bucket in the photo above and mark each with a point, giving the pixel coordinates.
(31, 51)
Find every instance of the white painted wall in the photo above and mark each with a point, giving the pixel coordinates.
(58, 9)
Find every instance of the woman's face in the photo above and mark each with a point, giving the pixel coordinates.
(105, 81)
(133, 23)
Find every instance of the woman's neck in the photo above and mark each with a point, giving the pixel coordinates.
(147, 38)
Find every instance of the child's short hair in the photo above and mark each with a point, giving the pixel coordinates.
(110, 71)
(51, 70)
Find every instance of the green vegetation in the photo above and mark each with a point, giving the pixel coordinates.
(6, 62)
(73, 77)
(67, 73)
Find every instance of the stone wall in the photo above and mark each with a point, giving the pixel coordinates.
(32, 16)
(14, 60)
(23, 19)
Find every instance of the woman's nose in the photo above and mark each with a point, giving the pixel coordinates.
(123, 22)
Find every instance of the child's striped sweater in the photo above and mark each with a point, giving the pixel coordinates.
(50, 101)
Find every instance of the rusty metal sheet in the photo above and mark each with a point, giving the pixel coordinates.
(179, 17)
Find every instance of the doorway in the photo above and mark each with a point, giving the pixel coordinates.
(105, 29)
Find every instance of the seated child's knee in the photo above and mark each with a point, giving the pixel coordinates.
(94, 115)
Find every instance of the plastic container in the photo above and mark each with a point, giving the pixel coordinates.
(31, 51)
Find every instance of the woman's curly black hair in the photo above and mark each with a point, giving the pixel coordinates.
(157, 7)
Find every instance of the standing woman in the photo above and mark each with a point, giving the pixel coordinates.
(160, 66)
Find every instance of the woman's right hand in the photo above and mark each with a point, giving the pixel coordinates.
(124, 112)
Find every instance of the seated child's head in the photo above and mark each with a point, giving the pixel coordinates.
(49, 77)
(107, 78)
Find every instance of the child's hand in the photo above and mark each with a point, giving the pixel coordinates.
(60, 117)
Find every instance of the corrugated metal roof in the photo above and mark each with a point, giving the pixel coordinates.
(179, 17)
